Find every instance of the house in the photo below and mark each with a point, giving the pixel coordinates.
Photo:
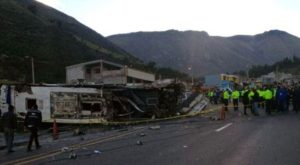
(106, 72)
(273, 76)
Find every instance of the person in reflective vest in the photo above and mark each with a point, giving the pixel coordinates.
(210, 96)
(226, 97)
(235, 99)
(268, 95)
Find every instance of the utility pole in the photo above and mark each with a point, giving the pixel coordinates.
(32, 68)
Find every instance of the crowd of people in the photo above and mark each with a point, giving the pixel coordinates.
(276, 98)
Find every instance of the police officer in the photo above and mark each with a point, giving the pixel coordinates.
(235, 99)
(210, 96)
(9, 125)
(226, 96)
(268, 95)
(32, 122)
(245, 100)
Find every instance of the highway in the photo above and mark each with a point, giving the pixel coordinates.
(241, 140)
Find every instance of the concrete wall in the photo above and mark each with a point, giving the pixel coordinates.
(74, 73)
(117, 76)
(109, 77)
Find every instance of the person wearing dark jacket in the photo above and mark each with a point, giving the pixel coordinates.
(33, 120)
(246, 101)
(281, 97)
(255, 102)
(296, 98)
(9, 125)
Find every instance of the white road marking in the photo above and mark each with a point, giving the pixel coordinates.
(225, 126)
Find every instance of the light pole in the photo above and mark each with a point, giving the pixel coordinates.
(32, 68)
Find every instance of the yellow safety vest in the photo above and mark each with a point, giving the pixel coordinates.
(226, 95)
(235, 94)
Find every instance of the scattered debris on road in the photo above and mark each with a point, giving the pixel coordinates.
(65, 149)
(156, 127)
(139, 142)
(142, 134)
(73, 155)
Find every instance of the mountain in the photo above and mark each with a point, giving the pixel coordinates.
(208, 54)
(54, 39)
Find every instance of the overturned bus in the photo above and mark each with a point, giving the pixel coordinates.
(92, 103)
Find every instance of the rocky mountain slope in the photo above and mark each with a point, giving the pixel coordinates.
(207, 54)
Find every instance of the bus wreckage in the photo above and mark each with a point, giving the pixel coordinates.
(74, 104)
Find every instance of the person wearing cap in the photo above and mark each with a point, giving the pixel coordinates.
(9, 125)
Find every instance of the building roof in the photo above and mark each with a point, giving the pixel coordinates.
(94, 62)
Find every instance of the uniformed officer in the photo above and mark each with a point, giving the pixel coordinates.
(235, 99)
(32, 122)
(268, 95)
(226, 96)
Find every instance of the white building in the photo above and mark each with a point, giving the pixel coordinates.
(105, 72)
(273, 76)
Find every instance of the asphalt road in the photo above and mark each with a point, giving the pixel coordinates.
(239, 140)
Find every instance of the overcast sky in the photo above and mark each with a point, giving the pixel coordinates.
(217, 17)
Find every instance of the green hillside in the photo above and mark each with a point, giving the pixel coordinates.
(287, 65)
(55, 40)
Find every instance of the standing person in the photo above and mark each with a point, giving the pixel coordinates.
(218, 94)
(296, 98)
(32, 122)
(245, 100)
(215, 98)
(9, 125)
(268, 95)
(255, 102)
(250, 97)
(281, 97)
(235, 99)
(226, 97)
(210, 95)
